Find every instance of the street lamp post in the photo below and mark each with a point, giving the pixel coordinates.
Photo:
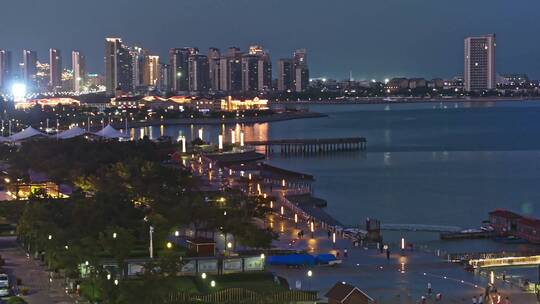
(309, 275)
(151, 248)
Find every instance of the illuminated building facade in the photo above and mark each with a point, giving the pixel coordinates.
(55, 69)
(479, 73)
(5, 69)
(118, 66)
(230, 104)
(29, 68)
(152, 70)
(78, 63)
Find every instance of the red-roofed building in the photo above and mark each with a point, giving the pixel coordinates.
(504, 222)
(529, 229)
(343, 293)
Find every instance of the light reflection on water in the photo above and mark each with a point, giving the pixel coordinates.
(447, 164)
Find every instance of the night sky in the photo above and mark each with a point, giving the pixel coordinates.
(371, 38)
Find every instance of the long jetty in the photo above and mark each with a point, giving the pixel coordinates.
(316, 145)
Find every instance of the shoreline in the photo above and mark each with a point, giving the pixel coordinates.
(404, 100)
(219, 121)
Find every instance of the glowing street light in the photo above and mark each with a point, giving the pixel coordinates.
(50, 236)
(201, 133)
(271, 204)
(241, 138)
(295, 219)
(213, 283)
(312, 228)
(19, 91)
(220, 142)
(116, 282)
(282, 211)
(310, 273)
(184, 150)
(233, 137)
(114, 235)
(203, 275)
(169, 245)
(492, 278)
(263, 256)
(334, 239)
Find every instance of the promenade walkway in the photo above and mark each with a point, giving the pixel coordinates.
(401, 279)
(34, 276)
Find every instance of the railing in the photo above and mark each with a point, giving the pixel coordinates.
(420, 227)
(242, 295)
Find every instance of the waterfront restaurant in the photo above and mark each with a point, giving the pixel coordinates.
(529, 229)
(508, 223)
(231, 104)
(504, 222)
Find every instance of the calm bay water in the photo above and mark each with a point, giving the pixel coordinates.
(445, 164)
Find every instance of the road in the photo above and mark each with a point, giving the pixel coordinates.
(34, 276)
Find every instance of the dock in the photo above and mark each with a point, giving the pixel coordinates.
(314, 145)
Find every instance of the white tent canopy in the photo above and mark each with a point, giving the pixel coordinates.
(70, 133)
(25, 134)
(110, 132)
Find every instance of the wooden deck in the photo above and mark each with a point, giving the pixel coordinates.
(311, 145)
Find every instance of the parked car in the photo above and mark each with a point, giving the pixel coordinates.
(4, 285)
(4, 280)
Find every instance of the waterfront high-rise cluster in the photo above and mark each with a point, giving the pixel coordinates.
(188, 71)
(51, 76)
(134, 70)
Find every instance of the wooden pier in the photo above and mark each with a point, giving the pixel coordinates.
(317, 145)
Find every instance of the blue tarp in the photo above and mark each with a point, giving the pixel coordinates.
(292, 260)
(325, 258)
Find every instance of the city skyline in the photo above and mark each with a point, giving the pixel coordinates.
(345, 32)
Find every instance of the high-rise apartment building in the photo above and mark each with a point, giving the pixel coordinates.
(152, 70)
(5, 69)
(78, 63)
(479, 73)
(29, 68)
(198, 73)
(301, 70)
(285, 75)
(230, 71)
(256, 70)
(139, 61)
(55, 69)
(164, 77)
(118, 66)
(179, 61)
(213, 68)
